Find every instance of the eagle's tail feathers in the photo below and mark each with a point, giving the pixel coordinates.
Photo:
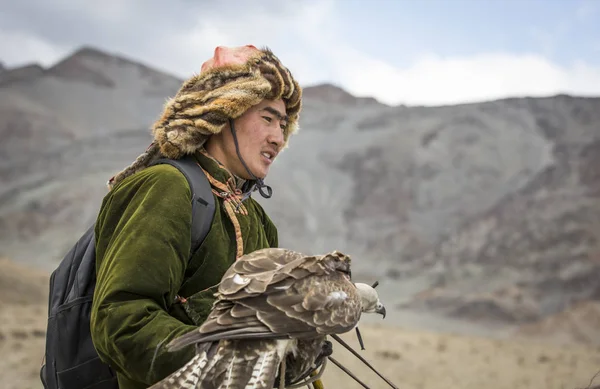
(229, 364)
(216, 358)
(264, 370)
(236, 372)
(186, 377)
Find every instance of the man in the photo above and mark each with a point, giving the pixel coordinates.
(234, 117)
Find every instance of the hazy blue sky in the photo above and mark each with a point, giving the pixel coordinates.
(563, 31)
(398, 51)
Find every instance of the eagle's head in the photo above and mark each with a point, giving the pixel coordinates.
(369, 299)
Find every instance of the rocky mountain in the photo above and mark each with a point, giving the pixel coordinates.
(64, 133)
(486, 213)
(21, 73)
(535, 253)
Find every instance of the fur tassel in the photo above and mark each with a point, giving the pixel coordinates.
(151, 154)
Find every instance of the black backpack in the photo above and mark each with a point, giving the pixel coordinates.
(71, 361)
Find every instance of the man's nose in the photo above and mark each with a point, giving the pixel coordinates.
(276, 137)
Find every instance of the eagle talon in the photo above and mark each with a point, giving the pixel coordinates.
(327, 349)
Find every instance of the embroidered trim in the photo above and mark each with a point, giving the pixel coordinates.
(232, 202)
(238, 230)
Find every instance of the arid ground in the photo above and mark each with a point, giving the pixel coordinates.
(410, 358)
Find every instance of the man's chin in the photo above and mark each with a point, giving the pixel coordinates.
(262, 173)
(262, 176)
(254, 173)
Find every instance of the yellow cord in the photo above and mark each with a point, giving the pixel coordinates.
(318, 384)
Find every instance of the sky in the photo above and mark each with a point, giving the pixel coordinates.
(412, 52)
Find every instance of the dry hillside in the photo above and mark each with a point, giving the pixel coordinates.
(411, 359)
(23, 312)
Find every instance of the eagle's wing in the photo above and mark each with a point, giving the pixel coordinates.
(281, 294)
(267, 302)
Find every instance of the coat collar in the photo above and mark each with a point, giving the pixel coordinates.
(219, 172)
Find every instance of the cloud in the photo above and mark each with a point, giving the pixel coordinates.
(290, 29)
(307, 35)
(176, 37)
(20, 48)
(435, 80)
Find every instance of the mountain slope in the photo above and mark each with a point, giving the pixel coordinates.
(482, 212)
(541, 241)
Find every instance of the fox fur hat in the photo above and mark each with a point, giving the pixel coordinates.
(228, 84)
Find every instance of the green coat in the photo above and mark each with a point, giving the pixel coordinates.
(142, 248)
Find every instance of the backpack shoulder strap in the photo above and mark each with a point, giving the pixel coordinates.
(203, 201)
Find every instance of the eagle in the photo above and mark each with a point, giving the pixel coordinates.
(273, 310)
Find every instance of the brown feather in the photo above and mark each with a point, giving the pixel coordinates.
(274, 294)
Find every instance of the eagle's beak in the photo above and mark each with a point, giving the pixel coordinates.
(381, 310)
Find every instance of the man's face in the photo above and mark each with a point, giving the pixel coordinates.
(260, 138)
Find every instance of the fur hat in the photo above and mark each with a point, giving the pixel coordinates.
(231, 82)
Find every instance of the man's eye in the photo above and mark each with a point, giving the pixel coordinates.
(268, 119)
(283, 127)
